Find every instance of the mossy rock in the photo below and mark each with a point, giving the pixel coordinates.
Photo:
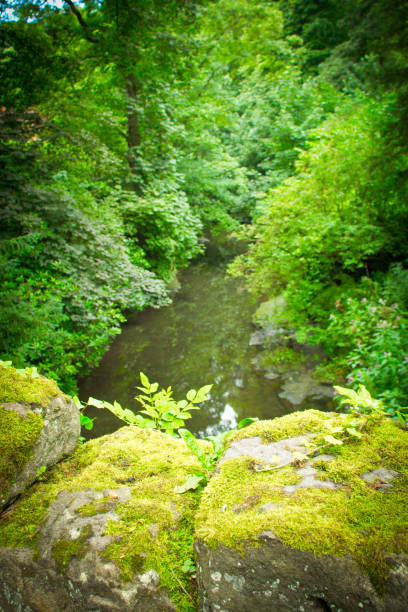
(107, 531)
(281, 529)
(270, 312)
(38, 426)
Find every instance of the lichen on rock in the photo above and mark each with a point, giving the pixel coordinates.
(353, 523)
(109, 515)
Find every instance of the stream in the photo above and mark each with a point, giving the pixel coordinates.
(202, 338)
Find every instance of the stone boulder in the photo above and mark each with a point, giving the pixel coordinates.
(38, 426)
(306, 513)
(106, 531)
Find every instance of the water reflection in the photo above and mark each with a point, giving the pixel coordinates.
(202, 338)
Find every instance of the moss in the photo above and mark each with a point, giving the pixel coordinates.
(295, 424)
(101, 506)
(282, 356)
(154, 528)
(19, 525)
(26, 389)
(19, 431)
(18, 434)
(63, 550)
(355, 519)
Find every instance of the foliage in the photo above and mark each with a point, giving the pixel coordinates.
(336, 214)
(163, 412)
(339, 217)
(361, 403)
(162, 224)
(274, 119)
(65, 277)
(139, 125)
(367, 337)
(85, 421)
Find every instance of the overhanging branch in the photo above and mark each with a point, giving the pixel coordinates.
(77, 14)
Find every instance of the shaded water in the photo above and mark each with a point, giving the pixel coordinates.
(202, 338)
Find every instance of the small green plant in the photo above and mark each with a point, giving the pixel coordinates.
(85, 421)
(189, 567)
(360, 403)
(162, 411)
(207, 460)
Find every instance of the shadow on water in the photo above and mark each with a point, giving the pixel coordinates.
(201, 338)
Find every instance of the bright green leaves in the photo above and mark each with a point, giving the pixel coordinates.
(165, 412)
(361, 404)
(196, 397)
(207, 461)
(332, 440)
(161, 410)
(124, 414)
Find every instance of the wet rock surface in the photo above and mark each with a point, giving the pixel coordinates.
(281, 357)
(381, 478)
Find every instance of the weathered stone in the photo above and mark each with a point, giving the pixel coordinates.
(36, 430)
(297, 386)
(277, 454)
(276, 577)
(267, 507)
(271, 334)
(381, 478)
(310, 480)
(270, 311)
(84, 541)
(309, 535)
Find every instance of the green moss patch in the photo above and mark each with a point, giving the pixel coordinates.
(101, 506)
(282, 357)
(154, 529)
(18, 435)
(356, 519)
(294, 424)
(63, 550)
(23, 388)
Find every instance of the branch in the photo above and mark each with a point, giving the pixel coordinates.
(74, 10)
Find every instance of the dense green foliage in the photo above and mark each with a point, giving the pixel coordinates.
(333, 236)
(130, 128)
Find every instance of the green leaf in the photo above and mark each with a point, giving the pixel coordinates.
(191, 395)
(173, 424)
(244, 422)
(192, 444)
(347, 392)
(191, 483)
(151, 412)
(218, 441)
(96, 403)
(144, 380)
(332, 440)
(86, 422)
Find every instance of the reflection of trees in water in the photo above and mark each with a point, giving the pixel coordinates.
(202, 338)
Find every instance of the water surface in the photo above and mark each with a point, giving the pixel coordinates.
(202, 338)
